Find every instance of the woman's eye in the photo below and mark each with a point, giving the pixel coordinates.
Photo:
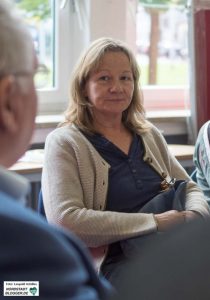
(126, 78)
(104, 78)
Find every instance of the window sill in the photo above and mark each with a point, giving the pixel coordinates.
(166, 115)
(46, 121)
(169, 122)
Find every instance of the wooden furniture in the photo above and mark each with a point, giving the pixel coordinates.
(183, 153)
(30, 165)
(32, 171)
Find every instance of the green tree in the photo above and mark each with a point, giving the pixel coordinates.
(154, 8)
(38, 9)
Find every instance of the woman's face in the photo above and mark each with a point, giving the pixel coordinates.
(110, 87)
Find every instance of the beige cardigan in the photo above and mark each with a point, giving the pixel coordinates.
(75, 183)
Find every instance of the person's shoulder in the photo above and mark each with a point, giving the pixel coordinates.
(14, 212)
(203, 135)
(153, 132)
(68, 137)
(63, 131)
(65, 134)
(205, 126)
(23, 224)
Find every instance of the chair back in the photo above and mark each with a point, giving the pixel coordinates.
(40, 207)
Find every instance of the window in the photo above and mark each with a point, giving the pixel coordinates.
(60, 32)
(49, 23)
(68, 26)
(162, 52)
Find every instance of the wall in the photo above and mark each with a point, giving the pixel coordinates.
(114, 18)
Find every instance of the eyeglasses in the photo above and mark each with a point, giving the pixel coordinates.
(41, 75)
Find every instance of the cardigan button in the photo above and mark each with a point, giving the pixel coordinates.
(149, 160)
(164, 175)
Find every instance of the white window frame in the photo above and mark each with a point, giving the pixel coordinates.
(71, 36)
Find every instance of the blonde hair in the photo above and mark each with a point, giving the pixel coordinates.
(79, 109)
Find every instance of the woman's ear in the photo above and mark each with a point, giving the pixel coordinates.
(7, 104)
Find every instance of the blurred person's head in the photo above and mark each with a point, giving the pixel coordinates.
(18, 100)
(80, 110)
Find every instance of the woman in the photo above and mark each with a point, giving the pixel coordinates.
(106, 160)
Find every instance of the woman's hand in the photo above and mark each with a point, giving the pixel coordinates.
(171, 218)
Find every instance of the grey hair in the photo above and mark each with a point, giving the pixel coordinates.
(16, 46)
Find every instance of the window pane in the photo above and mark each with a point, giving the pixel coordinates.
(162, 42)
(39, 17)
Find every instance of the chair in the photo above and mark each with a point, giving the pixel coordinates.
(40, 207)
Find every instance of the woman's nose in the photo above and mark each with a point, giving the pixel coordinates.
(116, 86)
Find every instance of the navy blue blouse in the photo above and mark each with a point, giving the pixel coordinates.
(132, 182)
